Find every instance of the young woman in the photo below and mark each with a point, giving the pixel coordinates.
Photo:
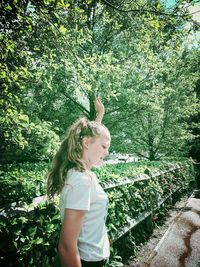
(83, 203)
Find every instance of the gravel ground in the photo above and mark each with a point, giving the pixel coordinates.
(158, 232)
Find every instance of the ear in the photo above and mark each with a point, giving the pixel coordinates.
(85, 142)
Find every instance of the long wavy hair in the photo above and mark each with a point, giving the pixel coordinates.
(70, 154)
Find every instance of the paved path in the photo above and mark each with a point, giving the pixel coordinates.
(180, 245)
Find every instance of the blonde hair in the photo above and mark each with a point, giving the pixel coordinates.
(70, 153)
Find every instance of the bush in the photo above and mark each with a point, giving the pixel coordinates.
(42, 142)
(22, 182)
(38, 142)
(30, 238)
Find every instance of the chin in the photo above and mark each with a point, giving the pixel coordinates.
(98, 165)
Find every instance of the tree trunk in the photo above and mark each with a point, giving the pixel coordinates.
(92, 112)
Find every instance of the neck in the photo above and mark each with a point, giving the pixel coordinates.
(86, 164)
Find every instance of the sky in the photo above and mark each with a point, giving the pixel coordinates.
(195, 11)
(170, 3)
(195, 8)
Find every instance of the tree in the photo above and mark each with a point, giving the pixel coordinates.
(159, 83)
(60, 54)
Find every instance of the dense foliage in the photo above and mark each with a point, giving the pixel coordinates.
(57, 55)
(29, 233)
(20, 183)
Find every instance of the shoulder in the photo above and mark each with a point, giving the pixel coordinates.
(76, 177)
(91, 175)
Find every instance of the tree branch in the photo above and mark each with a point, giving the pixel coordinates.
(118, 108)
(124, 118)
(141, 155)
(195, 12)
(82, 108)
(140, 11)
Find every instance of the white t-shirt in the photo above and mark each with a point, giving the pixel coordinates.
(82, 192)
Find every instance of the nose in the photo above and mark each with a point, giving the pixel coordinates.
(106, 153)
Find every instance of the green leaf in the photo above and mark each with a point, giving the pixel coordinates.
(8, 8)
(38, 241)
(62, 29)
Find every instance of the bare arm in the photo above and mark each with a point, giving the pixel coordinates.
(68, 250)
(100, 109)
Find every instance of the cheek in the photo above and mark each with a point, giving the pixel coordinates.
(98, 151)
(95, 151)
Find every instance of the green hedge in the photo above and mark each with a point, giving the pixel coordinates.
(129, 201)
(23, 182)
(29, 239)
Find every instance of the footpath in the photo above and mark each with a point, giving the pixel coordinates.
(179, 246)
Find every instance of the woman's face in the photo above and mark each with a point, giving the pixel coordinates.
(96, 149)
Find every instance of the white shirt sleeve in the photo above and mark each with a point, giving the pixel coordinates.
(78, 192)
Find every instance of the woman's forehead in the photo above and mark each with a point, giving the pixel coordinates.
(105, 137)
(105, 132)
